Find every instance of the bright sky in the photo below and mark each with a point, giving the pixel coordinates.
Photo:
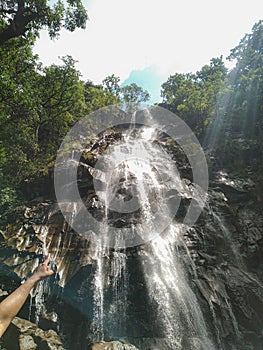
(147, 40)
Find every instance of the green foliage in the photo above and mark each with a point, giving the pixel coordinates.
(194, 97)
(111, 84)
(249, 51)
(19, 68)
(26, 18)
(134, 94)
(8, 194)
(245, 106)
(97, 97)
(128, 94)
(59, 102)
(37, 107)
(237, 131)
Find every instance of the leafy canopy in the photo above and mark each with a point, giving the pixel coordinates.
(25, 18)
(194, 96)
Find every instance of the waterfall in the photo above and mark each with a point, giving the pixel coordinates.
(229, 239)
(138, 177)
(178, 309)
(99, 280)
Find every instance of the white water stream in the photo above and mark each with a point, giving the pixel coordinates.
(140, 175)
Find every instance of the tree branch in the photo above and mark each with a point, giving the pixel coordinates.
(17, 27)
(21, 7)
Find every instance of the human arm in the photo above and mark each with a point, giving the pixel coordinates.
(11, 305)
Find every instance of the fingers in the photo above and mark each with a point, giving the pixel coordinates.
(50, 272)
(48, 269)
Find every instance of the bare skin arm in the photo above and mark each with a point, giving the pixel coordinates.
(13, 303)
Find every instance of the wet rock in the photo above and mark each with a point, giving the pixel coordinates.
(24, 335)
(27, 342)
(39, 229)
(114, 345)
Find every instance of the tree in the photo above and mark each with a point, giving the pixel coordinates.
(20, 17)
(129, 94)
(246, 102)
(111, 84)
(194, 97)
(59, 103)
(18, 68)
(97, 97)
(134, 94)
(237, 131)
(249, 52)
(37, 107)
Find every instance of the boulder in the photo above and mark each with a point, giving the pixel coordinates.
(25, 335)
(114, 345)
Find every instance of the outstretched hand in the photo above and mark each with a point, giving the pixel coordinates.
(43, 270)
(11, 305)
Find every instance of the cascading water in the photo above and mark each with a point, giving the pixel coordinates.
(229, 239)
(178, 309)
(99, 281)
(140, 175)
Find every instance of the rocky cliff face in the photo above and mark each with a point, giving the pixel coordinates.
(222, 256)
(227, 250)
